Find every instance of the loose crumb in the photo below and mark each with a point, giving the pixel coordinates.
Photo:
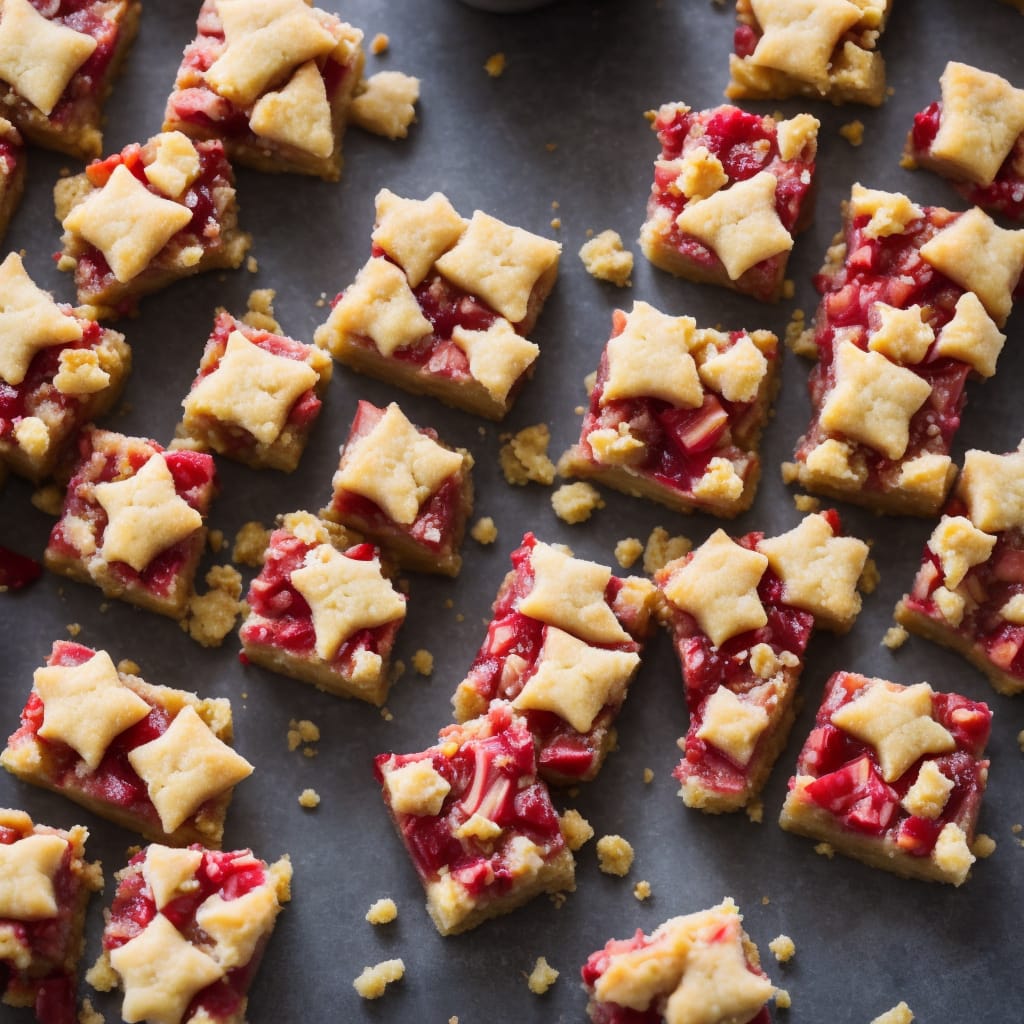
(374, 980)
(576, 830)
(628, 550)
(1020, 740)
(495, 65)
(870, 577)
(789, 472)
(605, 258)
(49, 500)
(73, 628)
(260, 312)
(211, 616)
(252, 265)
(806, 503)
(542, 977)
(250, 544)
(302, 731)
(551, 146)
(382, 911)
(575, 503)
(853, 132)
(662, 549)
(783, 1000)
(642, 890)
(309, 798)
(423, 662)
(783, 948)
(899, 1014)
(484, 531)
(557, 899)
(895, 637)
(648, 776)
(788, 288)
(88, 1014)
(983, 846)
(524, 456)
(385, 713)
(765, 900)
(614, 855)
(379, 44)
(215, 540)
(755, 811)
(799, 339)
(825, 850)
(556, 223)
(127, 667)
(1017, 829)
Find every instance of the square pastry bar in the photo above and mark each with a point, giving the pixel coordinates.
(825, 49)
(147, 217)
(443, 306)
(676, 412)
(893, 776)
(149, 758)
(974, 135)
(405, 490)
(257, 393)
(13, 166)
(701, 967)
(59, 369)
(912, 301)
(741, 614)
(731, 190)
(45, 886)
(186, 932)
(969, 592)
(476, 820)
(133, 522)
(273, 79)
(563, 646)
(58, 61)
(322, 610)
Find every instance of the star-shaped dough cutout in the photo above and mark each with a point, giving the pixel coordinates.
(799, 36)
(185, 767)
(29, 321)
(167, 869)
(575, 680)
(415, 232)
(236, 926)
(27, 868)
(568, 593)
(87, 705)
(145, 515)
(498, 356)
(901, 334)
(819, 570)
(161, 972)
(718, 587)
(127, 223)
(298, 115)
(897, 721)
(873, 400)
(971, 336)
(396, 466)
(251, 388)
(993, 488)
(740, 224)
(732, 725)
(345, 595)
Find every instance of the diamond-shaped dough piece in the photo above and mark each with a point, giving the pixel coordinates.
(185, 767)
(575, 680)
(739, 224)
(718, 587)
(651, 358)
(251, 388)
(499, 263)
(87, 705)
(127, 223)
(993, 488)
(27, 868)
(736, 372)
(889, 213)
(298, 115)
(145, 515)
(344, 595)
(236, 926)
(901, 334)
(873, 400)
(959, 545)
(732, 725)
(971, 336)
(29, 321)
(417, 788)
(568, 593)
(396, 466)
(498, 356)
(166, 869)
(176, 164)
(39, 57)
(415, 232)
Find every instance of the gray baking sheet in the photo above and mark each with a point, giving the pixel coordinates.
(579, 76)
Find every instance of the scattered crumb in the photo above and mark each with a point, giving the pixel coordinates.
(870, 577)
(899, 1014)
(127, 667)
(423, 662)
(662, 549)
(309, 798)
(211, 616)
(73, 628)
(579, 410)
(250, 544)
(589, 381)
(382, 911)
(648, 776)
(605, 258)
(302, 731)
(908, 163)
(252, 265)
(628, 550)
(551, 146)
(614, 855)
(542, 977)
(1020, 740)
(574, 503)
(495, 65)
(309, 751)
(783, 1001)
(799, 339)
(806, 503)
(983, 846)
(1017, 829)
(642, 890)
(49, 500)
(88, 1015)
(524, 456)
(783, 948)
(387, 104)
(449, 603)
(260, 312)
(215, 540)
(825, 849)
(853, 132)
(386, 715)
(789, 472)
(379, 44)
(557, 899)
(891, 90)
(104, 608)
(576, 830)
(555, 204)
(765, 900)
(374, 980)
(484, 531)
(101, 975)
(788, 288)
(895, 637)
(755, 811)
(321, 301)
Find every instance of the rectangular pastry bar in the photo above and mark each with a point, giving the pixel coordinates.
(676, 412)
(563, 646)
(731, 190)
(323, 611)
(476, 820)
(205, 917)
(45, 887)
(741, 613)
(148, 758)
(912, 301)
(969, 592)
(893, 776)
(444, 305)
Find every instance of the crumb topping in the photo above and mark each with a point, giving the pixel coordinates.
(576, 830)
(928, 795)
(524, 456)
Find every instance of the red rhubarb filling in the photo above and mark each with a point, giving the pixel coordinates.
(229, 875)
(494, 776)
(284, 617)
(195, 480)
(10, 156)
(848, 782)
